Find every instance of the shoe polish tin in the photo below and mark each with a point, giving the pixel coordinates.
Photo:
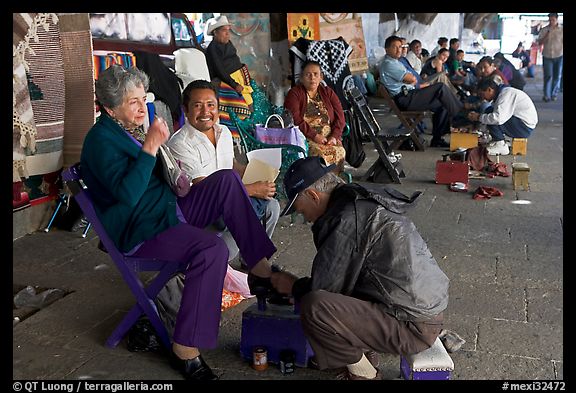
(259, 358)
(287, 358)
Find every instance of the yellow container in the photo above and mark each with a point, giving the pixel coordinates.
(519, 146)
(463, 139)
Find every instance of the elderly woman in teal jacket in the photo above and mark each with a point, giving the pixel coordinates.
(144, 217)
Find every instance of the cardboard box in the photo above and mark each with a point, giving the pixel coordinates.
(519, 146)
(451, 171)
(466, 140)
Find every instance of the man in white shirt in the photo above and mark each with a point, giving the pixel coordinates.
(512, 113)
(552, 37)
(203, 146)
(414, 56)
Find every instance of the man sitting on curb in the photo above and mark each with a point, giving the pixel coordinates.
(374, 283)
(512, 113)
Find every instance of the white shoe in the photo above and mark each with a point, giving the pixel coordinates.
(498, 148)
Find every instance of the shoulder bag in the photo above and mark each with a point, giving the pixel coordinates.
(280, 136)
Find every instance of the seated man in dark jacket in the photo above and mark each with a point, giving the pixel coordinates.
(374, 285)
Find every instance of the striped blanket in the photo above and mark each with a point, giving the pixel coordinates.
(230, 100)
(103, 61)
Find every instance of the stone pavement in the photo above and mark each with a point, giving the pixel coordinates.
(504, 258)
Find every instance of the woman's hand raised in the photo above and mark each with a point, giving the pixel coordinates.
(157, 134)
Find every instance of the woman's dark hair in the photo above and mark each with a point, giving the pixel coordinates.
(442, 50)
(311, 62)
(196, 85)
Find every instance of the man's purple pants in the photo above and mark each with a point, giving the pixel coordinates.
(221, 194)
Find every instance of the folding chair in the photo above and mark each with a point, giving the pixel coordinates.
(386, 158)
(409, 119)
(129, 267)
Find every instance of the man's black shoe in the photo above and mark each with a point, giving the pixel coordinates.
(194, 369)
(439, 143)
(259, 284)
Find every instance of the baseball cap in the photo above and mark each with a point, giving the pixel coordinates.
(302, 174)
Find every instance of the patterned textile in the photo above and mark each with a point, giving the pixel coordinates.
(352, 32)
(332, 65)
(24, 129)
(37, 46)
(79, 83)
(305, 25)
(230, 100)
(317, 117)
(103, 61)
(230, 299)
(38, 104)
(25, 28)
(47, 95)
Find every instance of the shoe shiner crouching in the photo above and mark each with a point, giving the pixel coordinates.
(374, 284)
(512, 113)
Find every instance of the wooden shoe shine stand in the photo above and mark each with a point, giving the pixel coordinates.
(464, 137)
(520, 170)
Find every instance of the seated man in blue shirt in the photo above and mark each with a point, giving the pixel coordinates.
(401, 85)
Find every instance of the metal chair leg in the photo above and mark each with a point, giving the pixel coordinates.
(61, 201)
(86, 229)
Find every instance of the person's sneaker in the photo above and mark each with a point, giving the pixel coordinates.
(498, 148)
(371, 355)
(452, 341)
(545, 99)
(439, 143)
(346, 375)
(373, 358)
(554, 98)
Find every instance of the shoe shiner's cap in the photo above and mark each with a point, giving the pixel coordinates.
(301, 174)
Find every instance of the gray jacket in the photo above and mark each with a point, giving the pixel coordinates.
(368, 249)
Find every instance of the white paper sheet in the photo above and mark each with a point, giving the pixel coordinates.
(263, 165)
(272, 157)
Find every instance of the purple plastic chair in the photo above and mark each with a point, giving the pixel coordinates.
(129, 267)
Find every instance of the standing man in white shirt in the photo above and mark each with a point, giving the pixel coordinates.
(512, 113)
(552, 38)
(203, 146)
